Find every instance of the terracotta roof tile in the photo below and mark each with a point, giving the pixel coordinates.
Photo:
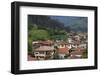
(63, 50)
(45, 48)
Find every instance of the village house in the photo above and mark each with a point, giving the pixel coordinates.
(75, 44)
(83, 45)
(75, 53)
(69, 40)
(77, 37)
(45, 50)
(61, 44)
(62, 49)
(69, 45)
(62, 52)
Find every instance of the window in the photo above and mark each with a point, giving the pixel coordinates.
(41, 52)
(36, 52)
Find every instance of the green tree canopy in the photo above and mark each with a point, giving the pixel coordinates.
(39, 35)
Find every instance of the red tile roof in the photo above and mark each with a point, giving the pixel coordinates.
(78, 49)
(76, 53)
(63, 50)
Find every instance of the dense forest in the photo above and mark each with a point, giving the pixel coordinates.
(44, 21)
(73, 23)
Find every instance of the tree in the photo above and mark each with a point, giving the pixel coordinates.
(32, 27)
(36, 34)
(29, 44)
(56, 56)
(85, 54)
(39, 35)
(67, 55)
(45, 21)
